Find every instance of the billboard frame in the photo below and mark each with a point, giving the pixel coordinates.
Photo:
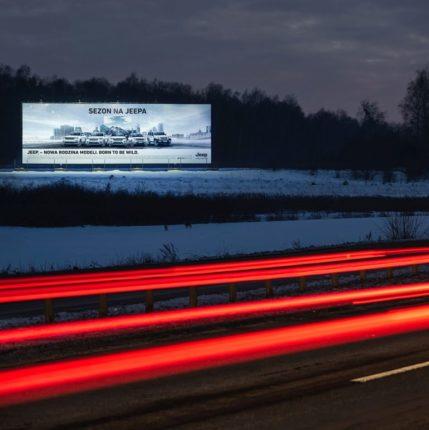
(118, 166)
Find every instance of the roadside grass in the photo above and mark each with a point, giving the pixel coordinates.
(63, 204)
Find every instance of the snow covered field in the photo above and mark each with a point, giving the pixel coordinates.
(43, 249)
(228, 181)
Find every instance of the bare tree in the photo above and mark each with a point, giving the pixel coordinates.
(415, 106)
(403, 227)
(370, 114)
(168, 252)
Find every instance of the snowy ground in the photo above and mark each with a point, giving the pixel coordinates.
(228, 181)
(43, 249)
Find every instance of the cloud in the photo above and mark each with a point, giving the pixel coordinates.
(330, 53)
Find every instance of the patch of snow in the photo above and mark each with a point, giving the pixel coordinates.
(26, 249)
(225, 181)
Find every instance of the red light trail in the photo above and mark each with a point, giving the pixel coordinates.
(30, 292)
(76, 375)
(209, 268)
(210, 313)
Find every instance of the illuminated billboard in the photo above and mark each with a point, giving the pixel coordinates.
(116, 133)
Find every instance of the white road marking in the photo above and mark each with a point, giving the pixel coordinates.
(391, 372)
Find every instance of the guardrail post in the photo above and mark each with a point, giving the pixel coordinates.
(232, 293)
(302, 283)
(389, 274)
(269, 289)
(334, 279)
(193, 298)
(102, 306)
(149, 301)
(362, 275)
(49, 311)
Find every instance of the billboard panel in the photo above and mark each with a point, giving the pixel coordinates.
(116, 133)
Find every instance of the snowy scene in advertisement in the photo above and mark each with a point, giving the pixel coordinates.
(116, 133)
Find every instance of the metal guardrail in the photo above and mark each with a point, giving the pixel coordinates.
(101, 284)
(204, 268)
(213, 313)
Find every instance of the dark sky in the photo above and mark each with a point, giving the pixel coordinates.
(330, 53)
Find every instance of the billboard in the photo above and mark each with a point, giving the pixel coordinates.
(116, 133)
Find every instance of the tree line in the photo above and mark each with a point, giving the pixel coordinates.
(250, 129)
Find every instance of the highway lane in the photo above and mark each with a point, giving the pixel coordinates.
(302, 391)
(260, 398)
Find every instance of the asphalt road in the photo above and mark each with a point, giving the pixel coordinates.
(302, 391)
